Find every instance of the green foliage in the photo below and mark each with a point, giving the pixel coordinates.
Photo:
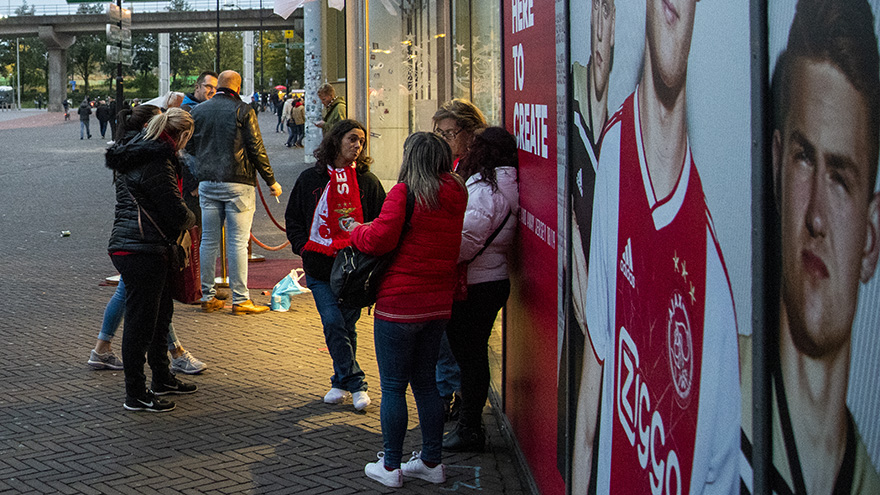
(84, 57)
(146, 84)
(24, 9)
(274, 61)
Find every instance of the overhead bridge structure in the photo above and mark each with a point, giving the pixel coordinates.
(59, 32)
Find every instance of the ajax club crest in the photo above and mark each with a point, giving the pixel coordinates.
(681, 350)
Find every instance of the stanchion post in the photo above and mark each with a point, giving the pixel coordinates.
(223, 279)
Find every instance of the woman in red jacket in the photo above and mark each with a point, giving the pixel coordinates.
(414, 301)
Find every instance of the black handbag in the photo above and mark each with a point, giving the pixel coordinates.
(179, 250)
(355, 276)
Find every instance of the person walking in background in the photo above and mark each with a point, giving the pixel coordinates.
(287, 118)
(131, 123)
(279, 107)
(414, 301)
(275, 102)
(455, 121)
(299, 122)
(334, 108)
(104, 115)
(229, 151)
(84, 111)
(326, 200)
(205, 88)
(146, 170)
(490, 169)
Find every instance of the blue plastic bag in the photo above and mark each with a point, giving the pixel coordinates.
(287, 287)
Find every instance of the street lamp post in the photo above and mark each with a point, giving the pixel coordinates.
(18, 71)
(217, 60)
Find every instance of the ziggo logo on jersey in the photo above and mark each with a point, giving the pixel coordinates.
(633, 409)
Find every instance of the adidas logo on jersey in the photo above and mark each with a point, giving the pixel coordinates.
(626, 263)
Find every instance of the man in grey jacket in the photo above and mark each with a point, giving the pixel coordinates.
(229, 152)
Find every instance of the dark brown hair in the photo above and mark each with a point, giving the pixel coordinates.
(839, 32)
(332, 143)
(491, 148)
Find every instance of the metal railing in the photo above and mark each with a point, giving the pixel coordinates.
(59, 7)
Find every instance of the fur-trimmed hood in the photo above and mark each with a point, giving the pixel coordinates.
(122, 157)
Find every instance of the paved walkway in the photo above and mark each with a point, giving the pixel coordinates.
(257, 424)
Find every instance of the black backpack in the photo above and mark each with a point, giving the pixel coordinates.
(355, 276)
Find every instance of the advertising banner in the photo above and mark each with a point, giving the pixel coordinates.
(529, 51)
(823, 367)
(660, 217)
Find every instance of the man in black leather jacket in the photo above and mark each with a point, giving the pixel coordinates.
(229, 153)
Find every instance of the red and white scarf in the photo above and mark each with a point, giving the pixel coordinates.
(336, 212)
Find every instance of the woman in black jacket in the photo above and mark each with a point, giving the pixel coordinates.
(149, 212)
(326, 202)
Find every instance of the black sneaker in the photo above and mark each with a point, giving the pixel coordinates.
(175, 386)
(149, 403)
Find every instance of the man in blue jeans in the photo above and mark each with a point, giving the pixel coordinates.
(229, 152)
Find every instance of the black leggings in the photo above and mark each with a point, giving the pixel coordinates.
(148, 311)
(468, 331)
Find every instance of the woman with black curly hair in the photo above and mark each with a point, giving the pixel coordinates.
(327, 201)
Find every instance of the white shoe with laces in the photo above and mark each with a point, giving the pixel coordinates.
(361, 400)
(416, 468)
(335, 396)
(376, 470)
(186, 363)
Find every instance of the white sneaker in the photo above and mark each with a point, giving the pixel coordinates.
(186, 363)
(376, 470)
(416, 468)
(361, 400)
(335, 396)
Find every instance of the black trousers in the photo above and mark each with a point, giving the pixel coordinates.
(468, 331)
(148, 311)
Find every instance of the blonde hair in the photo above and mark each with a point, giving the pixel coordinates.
(466, 114)
(426, 157)
(177, 123)
(327, 89)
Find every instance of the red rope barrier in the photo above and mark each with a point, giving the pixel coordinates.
(269, 248)
(260, 190)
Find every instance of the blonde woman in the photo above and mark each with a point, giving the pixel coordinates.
(149, 211)
(414, 301)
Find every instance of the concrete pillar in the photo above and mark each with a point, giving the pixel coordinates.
(247, 74)
(164, 63)
(313, 75)
(57, 45)
(357, 75)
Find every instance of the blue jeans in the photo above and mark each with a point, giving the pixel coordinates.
(103, 124)
(407, 355)
(114, 312)
(340, 335)
(291, 134)
(84, 128)
(232, 204)
(448, 373)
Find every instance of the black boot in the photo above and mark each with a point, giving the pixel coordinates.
(451, 407)
(465, 439)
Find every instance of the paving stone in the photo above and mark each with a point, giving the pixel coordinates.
(257, 424)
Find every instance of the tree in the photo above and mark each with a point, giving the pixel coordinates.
(181, 46)
(85, 56)
(32, 56)
(275, 65)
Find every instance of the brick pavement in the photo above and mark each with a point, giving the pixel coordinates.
(257, 424)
